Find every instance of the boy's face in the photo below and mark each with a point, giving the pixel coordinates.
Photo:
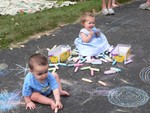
(89, 23)
(40, 72)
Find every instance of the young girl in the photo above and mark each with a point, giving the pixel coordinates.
(91, 41)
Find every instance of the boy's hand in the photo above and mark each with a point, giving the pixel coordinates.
(53, 105)
(59, 104)
(30, 105)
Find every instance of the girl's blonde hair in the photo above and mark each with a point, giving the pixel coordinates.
(84, 16)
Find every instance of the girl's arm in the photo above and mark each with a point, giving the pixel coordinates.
(86, 38)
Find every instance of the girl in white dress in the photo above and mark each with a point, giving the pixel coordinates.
(91, 41)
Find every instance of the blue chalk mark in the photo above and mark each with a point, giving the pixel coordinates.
(9, 101)
(21, 69)
(4, 69)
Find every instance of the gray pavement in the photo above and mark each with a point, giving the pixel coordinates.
(128, 90)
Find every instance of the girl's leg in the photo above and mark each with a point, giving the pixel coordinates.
(62, 92)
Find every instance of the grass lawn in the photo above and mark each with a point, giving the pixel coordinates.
(14, 29)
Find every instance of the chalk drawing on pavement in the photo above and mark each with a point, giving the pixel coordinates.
(4, 69)
(21, 69)
(9, 100)
(145, 74)
(127, 96)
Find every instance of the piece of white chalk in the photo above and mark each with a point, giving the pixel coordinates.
(84, 68)
(102, 83)
(76, 69)
(86, 80)
(92, 72)
(128, 61)
(94, 69)
(109, 72)
(56, 110)
(104, 60)
(115, 69)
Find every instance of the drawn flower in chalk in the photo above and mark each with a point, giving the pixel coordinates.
(21, 69)
(10, 100)
(145, 74)
(127, 96)
(4, 69)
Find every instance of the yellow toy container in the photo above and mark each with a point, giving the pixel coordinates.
(59, 54)
(121, 52)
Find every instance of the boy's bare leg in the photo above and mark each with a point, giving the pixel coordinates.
(37, 97)
(62, 92)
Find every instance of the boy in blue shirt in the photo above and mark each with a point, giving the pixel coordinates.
(39, 83)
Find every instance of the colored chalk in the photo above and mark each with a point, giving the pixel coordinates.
(51, 69)
(62, 64)
(103, 60)
(102, 83)
(76, 69)
(111, 49)
(54, 70)
(109, 72)
(84, 68)
(94, 69)
(48, 49)
(87, 80)
(128, 61)
(97, 62)
(83, 60)
(75, 59)
(78, 65)
(56, 110)
(107, 58)
(56, 66)
(115, 69)
(92, 72)
(70, 65)
(74, 53)
(114, 62)
(54, 46)
(89, 61)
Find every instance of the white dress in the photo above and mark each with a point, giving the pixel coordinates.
(94, 47)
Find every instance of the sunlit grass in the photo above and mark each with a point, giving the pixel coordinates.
(17, 28)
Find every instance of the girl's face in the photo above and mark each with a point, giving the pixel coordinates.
(40, 72)
(89, 23)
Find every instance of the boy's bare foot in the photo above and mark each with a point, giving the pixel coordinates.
(64, 93)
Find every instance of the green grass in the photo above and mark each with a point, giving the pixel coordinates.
(14, 29)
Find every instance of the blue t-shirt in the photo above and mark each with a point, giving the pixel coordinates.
(31, 84)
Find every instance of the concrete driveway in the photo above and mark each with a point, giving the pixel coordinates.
(126, 92)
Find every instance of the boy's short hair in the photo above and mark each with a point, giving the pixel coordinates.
(37, 58)
(86, 14)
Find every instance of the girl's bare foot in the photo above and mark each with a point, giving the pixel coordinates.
(64, 93)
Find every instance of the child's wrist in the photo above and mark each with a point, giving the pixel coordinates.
(28, 102)
(58, 100)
